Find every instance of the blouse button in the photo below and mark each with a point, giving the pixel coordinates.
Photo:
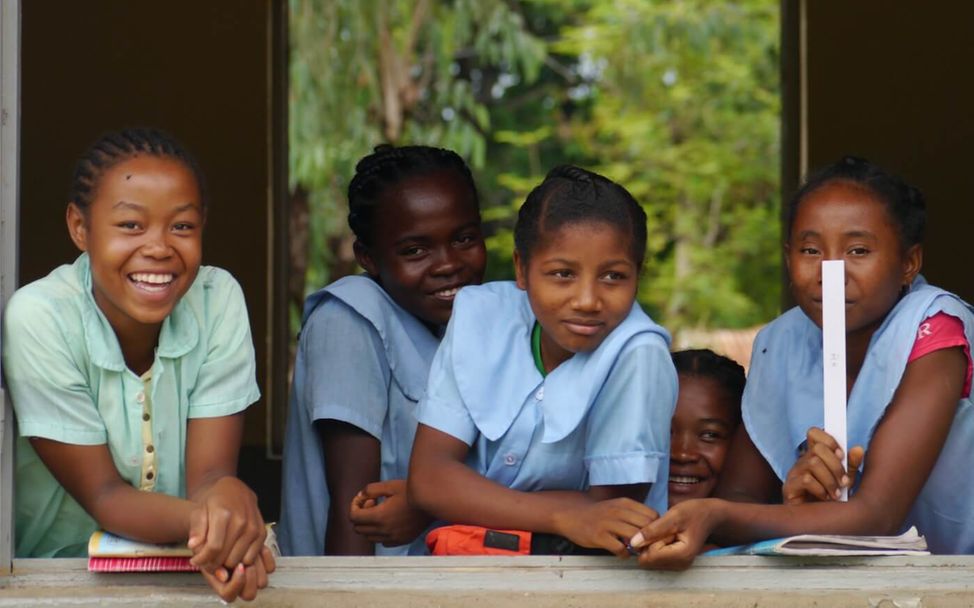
(150, 475)
(510, 459)
(149, 448)
(145, 416)
(540, 394)
(140, 397)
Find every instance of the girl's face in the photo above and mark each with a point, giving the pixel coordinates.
(426, 244)
(844, 221)
(700, 434)
(581, 281)
(143, 233)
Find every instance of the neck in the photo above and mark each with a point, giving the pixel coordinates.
(138, 346)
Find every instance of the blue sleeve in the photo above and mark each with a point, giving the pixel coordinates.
(628, 439)
(346, 375)
(442, 406)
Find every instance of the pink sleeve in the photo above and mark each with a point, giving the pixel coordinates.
(943, 331)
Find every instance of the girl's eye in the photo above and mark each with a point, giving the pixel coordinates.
(412, 252)
(615, 275)
(183, 227)
(710, 436)
(858, 251)
(809, 250)
(128, 225)
(466, 239)
(562, 273)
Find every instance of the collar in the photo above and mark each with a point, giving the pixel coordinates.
(178, 336)
(495, 370)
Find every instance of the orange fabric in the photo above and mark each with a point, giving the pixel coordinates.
(470, 540)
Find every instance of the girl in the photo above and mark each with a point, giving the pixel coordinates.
(365, 350)
(129, 372)
(708, 410)
(909, 369)
(554, 393)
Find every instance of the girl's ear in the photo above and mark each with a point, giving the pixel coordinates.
(912, 263)
(77, 226)
(365, 259)
(520, 274)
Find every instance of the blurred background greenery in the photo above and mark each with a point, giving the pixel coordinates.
(678, 100)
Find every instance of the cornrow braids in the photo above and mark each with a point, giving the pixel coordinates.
(115, 147)
(905, 203)
(389, 165)
(569, 195)
(705, 363)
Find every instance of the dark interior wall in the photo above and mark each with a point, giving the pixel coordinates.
(890, 81)
(200, 70)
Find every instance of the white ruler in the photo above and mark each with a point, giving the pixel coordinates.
(833, 354)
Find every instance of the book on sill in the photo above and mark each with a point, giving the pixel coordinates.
(812, 545)
(110, 553)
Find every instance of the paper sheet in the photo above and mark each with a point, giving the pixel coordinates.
(833, 353)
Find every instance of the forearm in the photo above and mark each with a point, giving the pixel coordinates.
(144, 516)
(457, 494)
(340, 535)
(738, 523)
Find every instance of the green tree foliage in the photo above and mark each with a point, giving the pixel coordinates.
(676, 99)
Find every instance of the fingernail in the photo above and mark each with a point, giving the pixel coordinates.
(845, 480)
(637, 541)
(221, 575)
(838, 452)
(838, 493)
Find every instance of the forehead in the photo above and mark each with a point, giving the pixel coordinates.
(441, 197)
(583, 237)
(148, 173)
(703, 397)
(843, 206)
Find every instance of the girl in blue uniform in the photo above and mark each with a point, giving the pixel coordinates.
(129, 371)
(365, 350)
(909, 373)
(551, 395)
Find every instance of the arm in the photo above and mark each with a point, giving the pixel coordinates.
(343, 444)
(441, 484)
(747, 476)
(920, 415)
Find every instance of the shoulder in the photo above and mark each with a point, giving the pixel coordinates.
(52, 301)
(502, 301)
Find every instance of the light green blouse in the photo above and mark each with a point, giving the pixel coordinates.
(68, 382)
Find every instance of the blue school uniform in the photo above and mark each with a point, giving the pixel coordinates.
(599, 418)
(783, 399)
(363, 360)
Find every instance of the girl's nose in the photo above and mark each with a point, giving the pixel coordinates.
(156, 246)
(587, 297)
(681, 449)
(447, 262)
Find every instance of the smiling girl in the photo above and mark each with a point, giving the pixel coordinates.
(129, 372)
(365, 349)
(553, 394)
(909, 373)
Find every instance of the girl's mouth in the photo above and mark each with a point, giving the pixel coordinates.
(685, 479)
(583, 328)
(446, 294)
(151, 282)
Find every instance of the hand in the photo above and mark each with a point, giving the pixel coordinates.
(818, 474)
(605, 524)
(226, 528)
(392, 521)
(674, 540)
(242, 581)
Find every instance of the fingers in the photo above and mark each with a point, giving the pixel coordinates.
(380, 489)
(816, 436)
(197, 528)
(667, 554)
(656, 530)
(268, 560)
(856, 456)
(231, 589)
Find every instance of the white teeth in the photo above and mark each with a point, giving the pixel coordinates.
(684, 479)
(148, 277)
(446, 293)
